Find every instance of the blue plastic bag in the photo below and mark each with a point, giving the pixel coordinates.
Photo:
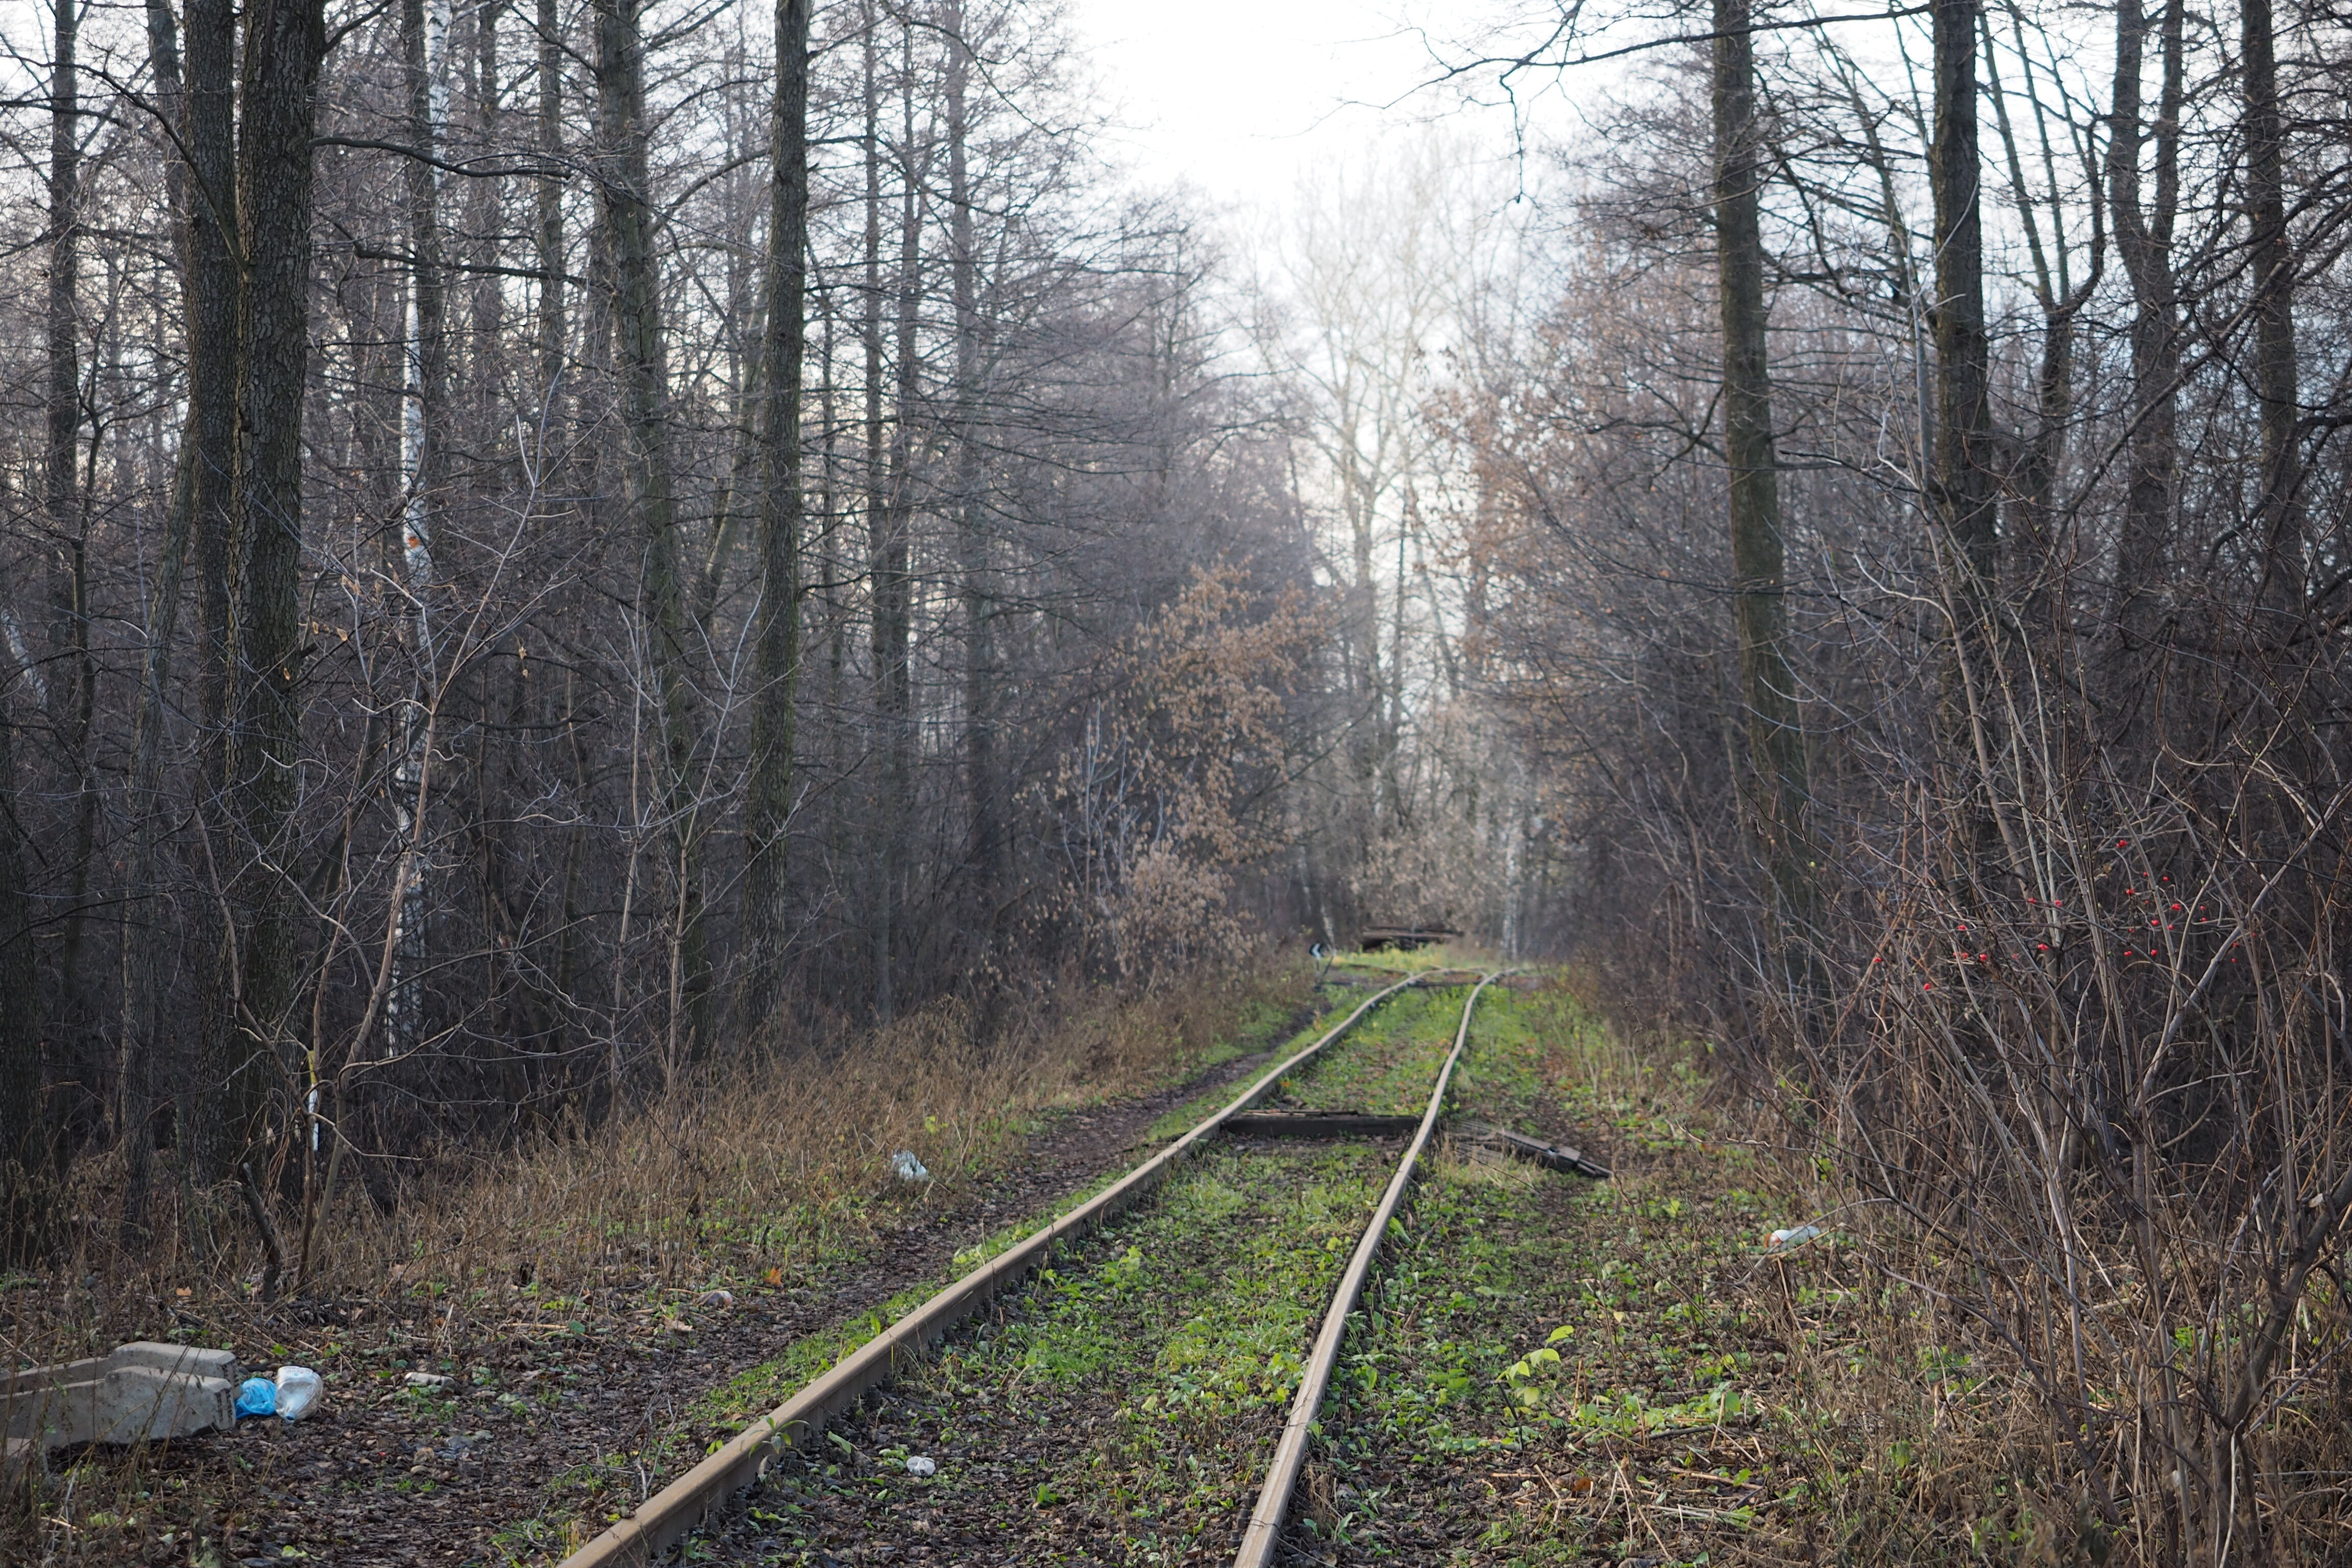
(256, 1396)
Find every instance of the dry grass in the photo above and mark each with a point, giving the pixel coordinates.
(1913, 1419)
(779, 1165)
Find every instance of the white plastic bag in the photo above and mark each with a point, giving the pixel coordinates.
(298, 1391)
(910, 1169)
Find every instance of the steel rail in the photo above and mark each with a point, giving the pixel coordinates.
(1290, 1453)
(671, 1514)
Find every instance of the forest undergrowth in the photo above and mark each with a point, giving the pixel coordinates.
(1549, 1371)
(525, 1275)
(1707, 1396)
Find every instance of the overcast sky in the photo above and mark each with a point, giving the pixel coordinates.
(1237, 97)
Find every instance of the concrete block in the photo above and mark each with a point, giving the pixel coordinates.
(144, 1392)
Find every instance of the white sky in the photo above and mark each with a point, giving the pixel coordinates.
(1238, 98)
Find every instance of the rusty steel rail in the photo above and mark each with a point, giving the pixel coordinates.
(1290, 1453)
(671, 1514)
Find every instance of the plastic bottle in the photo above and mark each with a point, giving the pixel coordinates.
(299, 1391)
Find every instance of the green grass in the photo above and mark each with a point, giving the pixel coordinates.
(1388, 1065)
(1159, 1368)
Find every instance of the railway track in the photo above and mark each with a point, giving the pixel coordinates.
(1237, 1142)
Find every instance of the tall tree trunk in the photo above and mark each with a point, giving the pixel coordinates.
(775, 628)
(284, 41)
(1768, 688)
(2279, 502)
(2144, 245)
(22, 1220)
(976, 589)
(893, 589)
(211, 287)
(485, 222)
(424, 414)
(1961, 480)
(640, 365)
(548, 195)
(210, 293)
(144, 929)
(878, 508)
(61, 480)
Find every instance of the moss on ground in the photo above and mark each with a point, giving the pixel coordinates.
(1121, 1410)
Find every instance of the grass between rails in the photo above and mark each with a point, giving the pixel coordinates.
(1114, 1321)
(586, 1496)
(593, 1491)
(1394, 1062)
(1122, 1410)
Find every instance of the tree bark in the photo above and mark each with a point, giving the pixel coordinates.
(212, 286)
(22, 1227)
(2144, 245)
(284, 41)
(425, 38)
(549, 197)
(144, 929)
(640, 364)
(1776, 747)
(1963, 474)
(775, 630)
(2279, 502)
(1962, 477)
(976, 589)
(893, 517)
(61, 491)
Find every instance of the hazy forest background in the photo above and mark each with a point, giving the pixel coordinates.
(552, 551)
